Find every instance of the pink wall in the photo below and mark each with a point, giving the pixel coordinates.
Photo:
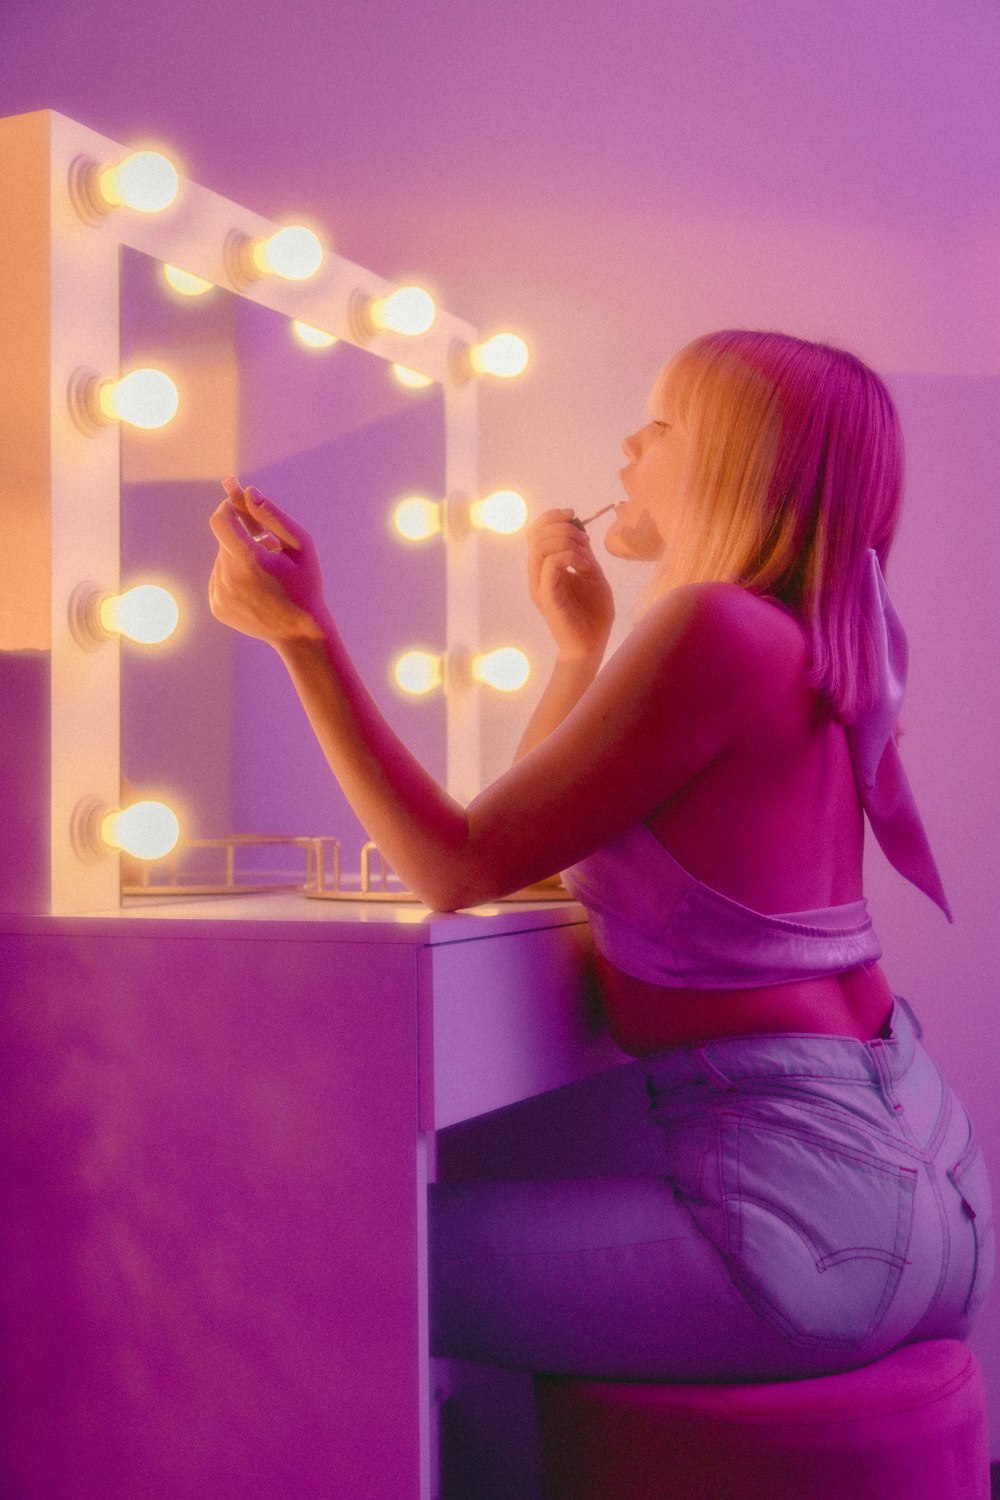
(614, 180)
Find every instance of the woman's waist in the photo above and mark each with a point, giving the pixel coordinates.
(645, 1018)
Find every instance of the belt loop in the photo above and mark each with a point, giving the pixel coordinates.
(716, 1073)
(877, 1049)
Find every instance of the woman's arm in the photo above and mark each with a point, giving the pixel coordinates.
(664, 706)
(570, 679)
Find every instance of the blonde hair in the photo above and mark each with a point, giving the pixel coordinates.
(796, 470)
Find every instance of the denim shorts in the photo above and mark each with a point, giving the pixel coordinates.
(822, 1200)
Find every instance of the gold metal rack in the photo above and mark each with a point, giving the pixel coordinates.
(322, 879)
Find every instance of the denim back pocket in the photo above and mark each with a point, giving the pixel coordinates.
(814, 1229)
(970, 1177)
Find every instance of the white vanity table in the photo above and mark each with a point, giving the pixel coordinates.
(219, 1118)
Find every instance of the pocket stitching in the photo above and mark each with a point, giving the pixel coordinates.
(905, 1178)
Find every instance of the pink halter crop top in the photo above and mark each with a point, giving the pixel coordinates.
(655, 921)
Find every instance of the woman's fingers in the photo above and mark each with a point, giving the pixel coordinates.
(230, 532)
(263, 513)
(273, 518)
(562, 541)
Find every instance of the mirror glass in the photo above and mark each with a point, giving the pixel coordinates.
(210, 722)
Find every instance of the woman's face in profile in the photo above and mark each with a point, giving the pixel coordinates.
(653, 480)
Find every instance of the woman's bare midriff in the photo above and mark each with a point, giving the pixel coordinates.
(776, 824)
(645, 1018)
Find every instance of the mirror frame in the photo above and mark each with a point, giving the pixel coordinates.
(60, 282)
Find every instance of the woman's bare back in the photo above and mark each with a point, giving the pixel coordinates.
(776, 823)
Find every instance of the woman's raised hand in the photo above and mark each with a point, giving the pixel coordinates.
(577, 606)
(266, 581)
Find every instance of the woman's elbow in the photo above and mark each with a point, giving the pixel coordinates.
(450, 893)
(447, 900)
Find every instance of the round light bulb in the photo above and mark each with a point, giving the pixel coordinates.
(418, 672)
(504, 511)
(186, 284)
(146, 181)
(506, 669)
(411, 379)
(313, 338)
(146, 398)
(294, 253)
(409, 310)
(416, 518)
(147, 614)
(146, 830)
(504, 355)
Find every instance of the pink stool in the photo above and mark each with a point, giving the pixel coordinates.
(910, 1427)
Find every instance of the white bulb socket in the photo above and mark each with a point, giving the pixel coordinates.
(418, 673)
(504, 356)
(146, 614)
(503, 512)
(408, 310)
(506, 669)
(144, 398)
(146, 830)
(416, 518)
(146, 182)
(292, 254)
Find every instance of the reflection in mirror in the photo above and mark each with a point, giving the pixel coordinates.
(210, 722)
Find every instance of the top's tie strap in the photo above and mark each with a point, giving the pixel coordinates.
(885, 791)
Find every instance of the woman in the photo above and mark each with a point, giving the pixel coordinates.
(822, 1197)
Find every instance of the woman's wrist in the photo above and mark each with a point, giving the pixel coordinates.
(314, 632)
(580, 661)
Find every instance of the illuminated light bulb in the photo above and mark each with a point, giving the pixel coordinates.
(294, 253)
(504, 355)
(146, 830)
(410, 378)
(146, 181)
(416, 519)
(146, 398)
(418, 672)
(313, 338)
(147, 614)
(504, 511)
(409, 310)
(506, 669)
(186, 284)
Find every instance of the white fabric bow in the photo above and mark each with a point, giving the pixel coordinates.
(885, 791)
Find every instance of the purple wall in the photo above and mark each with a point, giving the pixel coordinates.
(613, 181)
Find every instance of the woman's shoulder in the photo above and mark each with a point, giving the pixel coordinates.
(756, 634)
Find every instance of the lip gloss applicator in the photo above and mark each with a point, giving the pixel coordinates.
(602, 512)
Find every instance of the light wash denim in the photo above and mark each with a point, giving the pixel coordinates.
(822, 1201)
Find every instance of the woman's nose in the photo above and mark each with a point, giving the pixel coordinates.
(630, 447)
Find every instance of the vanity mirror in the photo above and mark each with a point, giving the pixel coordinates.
(104, 494)
(334, 437)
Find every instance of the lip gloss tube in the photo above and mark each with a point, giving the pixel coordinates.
(602, 512)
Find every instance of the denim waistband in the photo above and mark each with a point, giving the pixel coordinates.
(790, 1055)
